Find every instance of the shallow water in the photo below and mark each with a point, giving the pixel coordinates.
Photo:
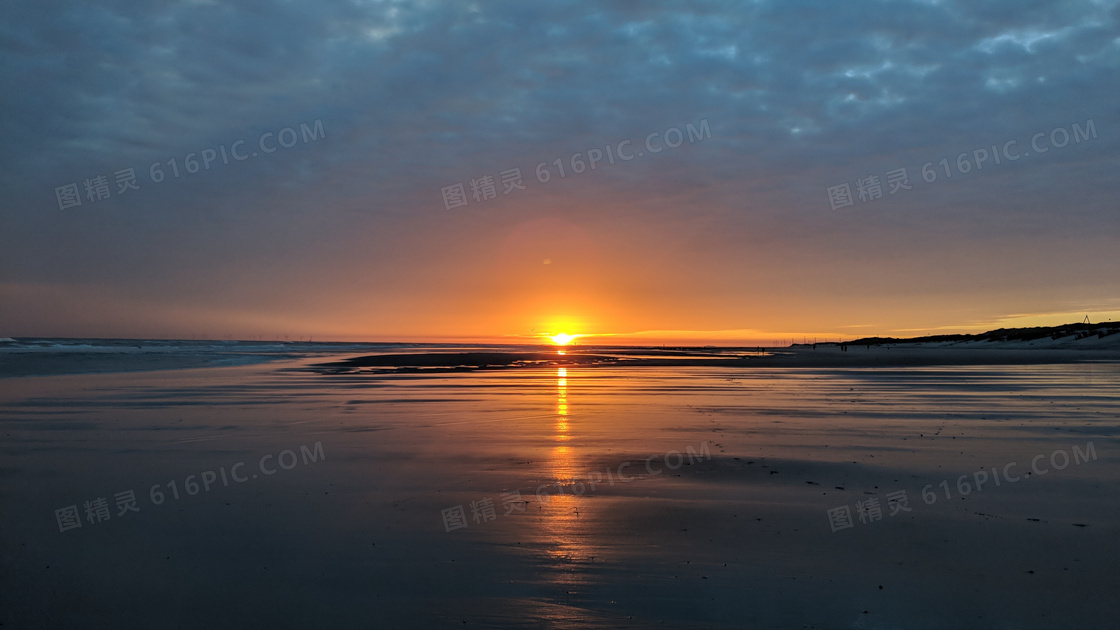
(740, 536)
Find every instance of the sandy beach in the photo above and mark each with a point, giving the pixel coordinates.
(566, 496)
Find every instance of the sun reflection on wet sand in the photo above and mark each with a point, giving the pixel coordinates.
(562, 460)
(564, 532)
(562, 428)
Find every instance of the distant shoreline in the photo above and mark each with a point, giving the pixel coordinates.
(1077, 331)
(825, 356)
(1070, 343)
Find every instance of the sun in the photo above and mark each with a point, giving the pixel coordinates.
(563, 339)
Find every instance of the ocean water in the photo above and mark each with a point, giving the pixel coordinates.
(44, 356)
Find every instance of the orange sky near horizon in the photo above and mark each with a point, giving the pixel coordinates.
(514, 274)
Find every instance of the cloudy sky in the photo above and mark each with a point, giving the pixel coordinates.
(337, 214)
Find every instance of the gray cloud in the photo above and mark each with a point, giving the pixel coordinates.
(800, 96)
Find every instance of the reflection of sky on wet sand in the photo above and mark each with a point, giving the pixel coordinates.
(743, 536)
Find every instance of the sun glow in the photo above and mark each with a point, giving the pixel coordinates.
(563, 339)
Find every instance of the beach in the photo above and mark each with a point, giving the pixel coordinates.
(579, 495)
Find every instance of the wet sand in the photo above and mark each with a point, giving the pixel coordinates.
(356, 536)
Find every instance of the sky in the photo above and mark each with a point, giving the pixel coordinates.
(295, 168)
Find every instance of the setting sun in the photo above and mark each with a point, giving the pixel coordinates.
(563, 339)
